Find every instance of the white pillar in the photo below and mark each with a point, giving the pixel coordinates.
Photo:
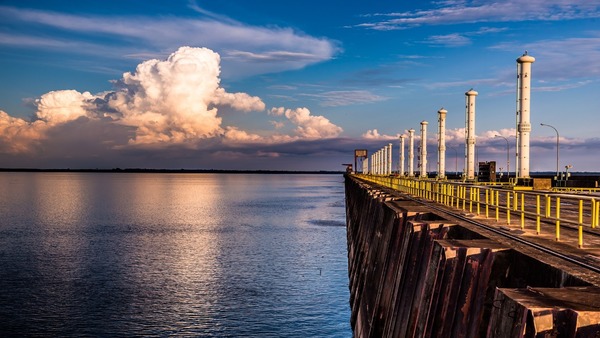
(384, 160)
(381, 172)
(374, 163)
(470, 134)
(411, 152)
(424, 148)
(442, 143)
(389, 162)
(523, 113)
(401, 163)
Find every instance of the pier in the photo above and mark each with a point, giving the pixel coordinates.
(440, 258)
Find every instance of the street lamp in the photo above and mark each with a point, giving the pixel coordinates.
(455, 160)
(507, 151)
(557, 145)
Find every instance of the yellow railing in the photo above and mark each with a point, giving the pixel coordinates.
(576, 189)
(579, 210)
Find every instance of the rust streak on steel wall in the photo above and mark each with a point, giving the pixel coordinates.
(415, 274)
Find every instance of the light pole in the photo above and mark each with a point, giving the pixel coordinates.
(557, 145)
(455, 161)
(507, 159)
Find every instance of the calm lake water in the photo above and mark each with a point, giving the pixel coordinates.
(123, 254)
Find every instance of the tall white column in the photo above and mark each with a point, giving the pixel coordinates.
(373, 163)
(389, 162)
(411, 152)
(442, 143)
(384, 160)
(401, 163)
(470, 134)
(523, 113)
(424, 148)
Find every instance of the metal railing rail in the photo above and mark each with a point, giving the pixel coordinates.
(576, 189)
(496, 201)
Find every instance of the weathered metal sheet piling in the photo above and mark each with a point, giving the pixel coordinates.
(415, 274)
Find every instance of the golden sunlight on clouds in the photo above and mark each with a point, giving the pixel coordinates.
(164, 103)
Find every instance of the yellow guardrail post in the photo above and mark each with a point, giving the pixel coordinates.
(515, 201)
(593, 213)
(580, 237)
(430, 188)
(497, 201)
(478, 199)
(597, 213)
(445, 193)
(557, 218)
(464, 198)
(508, 207)
(457, 194)
(522, 211)
(470, 199)
(537, 214)
(487, 203)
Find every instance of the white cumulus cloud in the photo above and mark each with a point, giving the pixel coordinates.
(63, 105)
(18, 135)
(373, 134)
(168, 101)
(173, 101)
(163, 102)
(308, 126)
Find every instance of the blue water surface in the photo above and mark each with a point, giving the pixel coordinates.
(156, 254)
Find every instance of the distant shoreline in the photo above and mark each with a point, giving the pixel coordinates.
(173, 171)
(234, 171)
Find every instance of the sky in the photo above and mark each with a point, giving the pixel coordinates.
(278, 85)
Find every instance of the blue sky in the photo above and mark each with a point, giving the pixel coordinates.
(249, 84)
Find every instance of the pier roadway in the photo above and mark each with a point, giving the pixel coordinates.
(443, 259)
